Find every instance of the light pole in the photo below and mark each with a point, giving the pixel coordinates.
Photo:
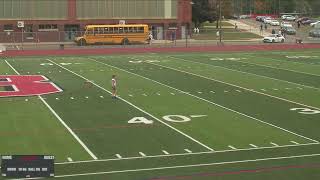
(220, 21)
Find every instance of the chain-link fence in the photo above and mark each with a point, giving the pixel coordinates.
(167, 38)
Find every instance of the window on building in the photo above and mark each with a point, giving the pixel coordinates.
(48, 27)
(8, 27)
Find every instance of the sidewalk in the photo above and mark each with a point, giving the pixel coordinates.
(250, 28)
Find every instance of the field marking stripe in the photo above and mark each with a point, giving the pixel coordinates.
(168, 125)
(223, 82)
(237, 111)
(190, 165)
(302, 72)
(209, 101)
(188, 154)
(267, 77)
(61, 121)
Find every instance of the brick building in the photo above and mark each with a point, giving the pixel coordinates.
(61, 20)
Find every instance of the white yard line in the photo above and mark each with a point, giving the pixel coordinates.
(275, 146)
(210, 101)
(246, 73)
(61, 121)
(191, 165)
(168, 125)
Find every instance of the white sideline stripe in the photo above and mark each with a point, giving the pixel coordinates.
(69, 159)
(232, 147)
(274, 144)
(142, 154)
(190, 165)
(253, 145)
(165, 152)
(251, 91)
(118, 156)
(188, 154)
(182, 133)
(62, 122)
(294, 142)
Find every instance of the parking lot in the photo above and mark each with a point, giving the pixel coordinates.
(301, 33)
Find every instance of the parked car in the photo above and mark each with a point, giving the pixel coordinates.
(274, 23)
(302, 19)
(258, 18)
(285, 24)
(288, 17)
(267, 20)
(289, 30)
(274, 38)
(307, 21)
(314, 23)
(244, 16)
(314, 33)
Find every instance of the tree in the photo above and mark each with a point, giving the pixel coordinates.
(203, 11)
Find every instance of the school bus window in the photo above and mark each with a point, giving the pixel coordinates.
(115, 30)
(140, 29)
(131, 29)
(89, 31)
(120, 30)
(126, 30)
(106, 30)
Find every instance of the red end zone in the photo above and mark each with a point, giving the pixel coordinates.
(27, 85)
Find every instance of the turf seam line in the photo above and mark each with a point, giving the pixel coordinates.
(179, 131)
(206, 99)
(267, 77)
(194, 153)
(60, 120)
(251, 90)
(190, 165)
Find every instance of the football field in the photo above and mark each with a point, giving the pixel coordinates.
(198, 116)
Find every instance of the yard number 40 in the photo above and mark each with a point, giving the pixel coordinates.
(170, 118)
(305, 110)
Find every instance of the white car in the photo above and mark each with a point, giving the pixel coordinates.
(288, 17)
(274, 38)
(274, 23)
(315, 23)
(267, 20)
(285, 24)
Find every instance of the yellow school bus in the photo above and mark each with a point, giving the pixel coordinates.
(114, 34)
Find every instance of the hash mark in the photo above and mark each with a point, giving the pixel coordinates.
(188, 151)
(232, 147)
(274, 144)
(253, 145)
(130, 95)
(142, 154)
(144, 95)
(294, 142)
(165, 152)
(118, 156)
(101, 97)
(212, 91)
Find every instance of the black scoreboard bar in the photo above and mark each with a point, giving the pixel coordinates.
(27, 166)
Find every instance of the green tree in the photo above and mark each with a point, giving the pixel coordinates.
(203, 11)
